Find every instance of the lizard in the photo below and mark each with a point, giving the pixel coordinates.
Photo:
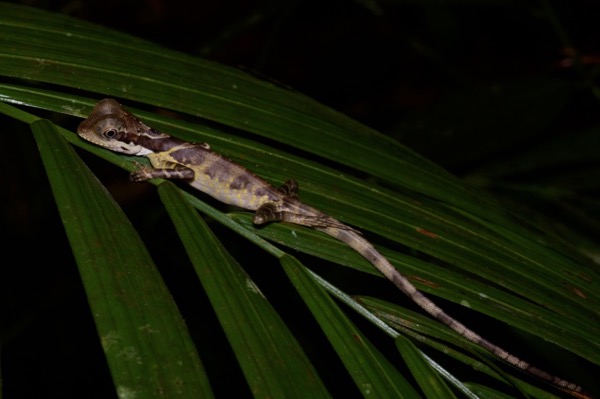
(111, 126)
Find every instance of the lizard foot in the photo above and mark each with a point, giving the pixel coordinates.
(142, 174)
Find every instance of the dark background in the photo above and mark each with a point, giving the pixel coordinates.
(485, 88)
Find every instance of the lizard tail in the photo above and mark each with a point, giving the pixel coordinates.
(366, 249)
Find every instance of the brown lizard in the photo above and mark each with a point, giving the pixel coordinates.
(112, 127)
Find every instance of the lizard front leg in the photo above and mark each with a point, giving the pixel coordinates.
(176, 172)
(163, 167)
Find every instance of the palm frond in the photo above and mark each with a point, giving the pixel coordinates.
(455, 243)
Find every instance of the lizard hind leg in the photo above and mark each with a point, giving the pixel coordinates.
(289, 188)
(268, 212)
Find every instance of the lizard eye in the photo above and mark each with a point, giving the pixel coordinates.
(110, 133)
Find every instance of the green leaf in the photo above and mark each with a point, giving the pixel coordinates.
(428, 332)
(484, 392)
(371, 371)
(271, 359)
(144, 338)
(430, 382)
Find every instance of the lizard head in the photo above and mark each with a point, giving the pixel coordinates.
(112, 127)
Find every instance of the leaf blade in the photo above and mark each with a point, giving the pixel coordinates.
(149, 352)
(271, 358)
(372, 373)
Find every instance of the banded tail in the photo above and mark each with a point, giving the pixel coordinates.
(366, 249)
